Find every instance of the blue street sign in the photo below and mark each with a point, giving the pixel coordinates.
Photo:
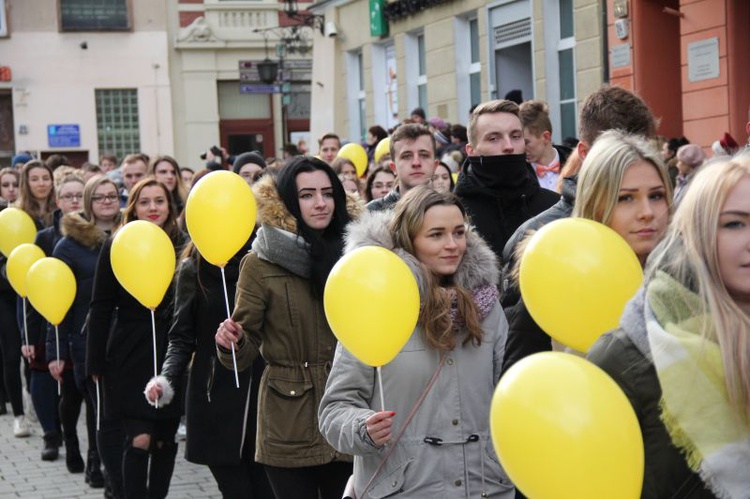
(259, 89)
(64, 135)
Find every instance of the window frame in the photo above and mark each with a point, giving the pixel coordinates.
(63, 29)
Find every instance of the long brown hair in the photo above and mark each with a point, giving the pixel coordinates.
(180, 190)
(435, 315)
(40, 211)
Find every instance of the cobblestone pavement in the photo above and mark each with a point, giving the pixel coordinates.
(24, 474)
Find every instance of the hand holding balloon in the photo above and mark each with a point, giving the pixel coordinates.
(28, 352)
(228, 334)
(379, 427)
(56, 369)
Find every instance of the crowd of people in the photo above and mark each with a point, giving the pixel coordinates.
(457, 204)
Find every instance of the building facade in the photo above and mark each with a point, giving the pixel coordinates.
(85, 77)
(688, 59)
(84, 80)
(446, 56)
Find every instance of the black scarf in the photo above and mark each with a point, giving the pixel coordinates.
(507, 171)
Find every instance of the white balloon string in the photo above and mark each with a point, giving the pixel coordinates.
(380, 384)
(57, 345)
(226, 302)
(153, 330)
(98, 406)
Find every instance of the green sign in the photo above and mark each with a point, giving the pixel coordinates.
(378, 23)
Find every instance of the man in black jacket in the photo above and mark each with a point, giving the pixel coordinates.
(497, 186)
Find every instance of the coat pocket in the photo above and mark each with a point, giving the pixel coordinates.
(390, 484)
(289, 408)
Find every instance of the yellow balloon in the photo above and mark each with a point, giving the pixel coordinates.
(220, 215)
(357, 155)
(51, 287)
(576, 276)
(371, 301)
(563, 429)
(383, 148)
(143, 260)
(19, 262)
(16, 227)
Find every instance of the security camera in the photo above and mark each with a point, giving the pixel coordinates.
(330, 30)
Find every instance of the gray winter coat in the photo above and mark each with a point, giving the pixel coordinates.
(446, 451)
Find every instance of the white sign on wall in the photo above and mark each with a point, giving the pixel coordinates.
(703, 60)
(621, 55)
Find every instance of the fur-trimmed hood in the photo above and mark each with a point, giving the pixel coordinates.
(76, 227)
(271, 209)
(478, 267)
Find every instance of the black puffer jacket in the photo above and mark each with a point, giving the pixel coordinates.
(498, 211)
(79, 249)
(667, 474)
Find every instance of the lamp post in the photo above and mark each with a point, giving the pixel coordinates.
(281, 53)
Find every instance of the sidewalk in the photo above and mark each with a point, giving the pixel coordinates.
(24, 474)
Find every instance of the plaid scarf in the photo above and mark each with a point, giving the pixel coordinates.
(695, 403)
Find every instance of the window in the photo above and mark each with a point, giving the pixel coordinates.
(475, 70)
(468, 67)
(559, 40)
(234, 105)
(385, 81)
(357, 103)
(94, 15)
(117, 121)
(416, 71)
(422, 75)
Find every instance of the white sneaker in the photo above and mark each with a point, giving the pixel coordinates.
(20, 427)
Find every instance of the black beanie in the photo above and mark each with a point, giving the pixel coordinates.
(248, 157)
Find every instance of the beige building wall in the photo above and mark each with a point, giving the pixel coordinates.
(54, 78)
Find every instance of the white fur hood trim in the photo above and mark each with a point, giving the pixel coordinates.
(479, 266)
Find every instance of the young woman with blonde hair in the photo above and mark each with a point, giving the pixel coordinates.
(682, 351)
(624, 184)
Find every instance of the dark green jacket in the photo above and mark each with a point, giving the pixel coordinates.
(667, 474)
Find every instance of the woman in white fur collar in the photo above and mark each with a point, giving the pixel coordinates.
(442, 448)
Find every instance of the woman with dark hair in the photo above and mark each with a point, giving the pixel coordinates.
(380, 182)
(279, 312)
(119, 356)
(227, 449)
(84, 233)
(450, 364)
(442, 180)
(375, 134)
